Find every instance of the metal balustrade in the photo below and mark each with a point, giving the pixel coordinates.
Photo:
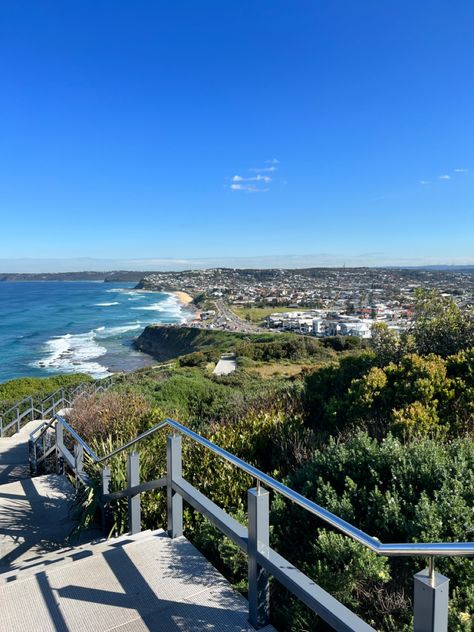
(430, 587)
(28, 409)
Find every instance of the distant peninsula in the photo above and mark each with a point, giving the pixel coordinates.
(116, 276)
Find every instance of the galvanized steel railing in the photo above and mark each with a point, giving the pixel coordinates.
(430, 589)
(27, 408)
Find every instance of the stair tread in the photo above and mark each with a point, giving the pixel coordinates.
(34, 517)
(154, 584)
(68, 555)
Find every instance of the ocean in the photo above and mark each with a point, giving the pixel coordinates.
(77, 327)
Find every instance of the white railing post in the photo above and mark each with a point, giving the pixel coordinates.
(78, 461)
(258, 541)
(430, 604)
(133, 479)
(107, 518)
(174, 472)
(44, 439)
(59, 432)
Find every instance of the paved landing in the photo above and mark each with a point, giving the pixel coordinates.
(226, 365)
(151, 584)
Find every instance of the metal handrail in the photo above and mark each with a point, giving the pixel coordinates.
(62, 393)
(16, 405)
(397, 549)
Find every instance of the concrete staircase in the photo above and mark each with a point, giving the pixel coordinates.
(133, 583)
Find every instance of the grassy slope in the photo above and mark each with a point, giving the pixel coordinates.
(258, 314)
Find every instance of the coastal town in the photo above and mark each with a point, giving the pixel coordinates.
(314, 301)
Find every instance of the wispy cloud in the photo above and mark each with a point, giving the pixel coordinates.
(258, 178)
(241, 182)
(247, 187)
(445, 176)
(263, 169)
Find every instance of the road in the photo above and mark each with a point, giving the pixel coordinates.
(226, 319)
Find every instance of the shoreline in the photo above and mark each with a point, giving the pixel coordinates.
(183, 297)
(190, 310)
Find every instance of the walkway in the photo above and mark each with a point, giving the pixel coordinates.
(146, 582)
(227, 364)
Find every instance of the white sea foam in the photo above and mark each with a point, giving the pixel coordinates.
(107, 304)
(170, 304)
(74, 353)
(107, 332)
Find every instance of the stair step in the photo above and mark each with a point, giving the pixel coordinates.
(34, 517)
(69, 555)
(156, 584)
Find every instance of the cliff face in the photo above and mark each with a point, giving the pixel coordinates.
(165, 342)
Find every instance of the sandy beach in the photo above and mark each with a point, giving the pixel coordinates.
(183, 297)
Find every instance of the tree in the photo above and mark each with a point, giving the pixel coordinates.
(440, 326)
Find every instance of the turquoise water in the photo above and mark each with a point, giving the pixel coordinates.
(59, 327)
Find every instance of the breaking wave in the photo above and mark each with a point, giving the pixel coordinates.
(74, 353)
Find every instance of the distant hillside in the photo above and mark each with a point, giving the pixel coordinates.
(107, 277)
(445, 268)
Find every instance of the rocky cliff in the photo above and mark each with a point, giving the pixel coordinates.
(165, 342)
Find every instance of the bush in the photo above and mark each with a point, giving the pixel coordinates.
(423, 491)
(113, 415)
(290, 347)
(199, 358)
(38, 387)
(416, 396)
(342, 343)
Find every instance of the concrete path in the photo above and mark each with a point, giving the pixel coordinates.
(226, 365)
(151, 583)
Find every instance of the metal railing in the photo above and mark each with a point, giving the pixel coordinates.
(430, 587)
(29, 409)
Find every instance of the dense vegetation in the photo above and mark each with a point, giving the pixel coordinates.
(167, 342)
(39, 388)
(381, 436)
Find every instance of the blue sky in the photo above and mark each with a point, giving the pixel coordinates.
(349, 126)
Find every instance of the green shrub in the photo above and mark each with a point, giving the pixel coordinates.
(423, 491)
(342, 343)
(416, 396)
(38, 387)
(199, 358)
